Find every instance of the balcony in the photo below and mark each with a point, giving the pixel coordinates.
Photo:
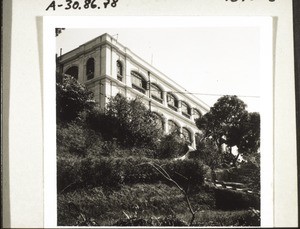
(138, 88)
(186, 115)
(173, 107)
(160, 100)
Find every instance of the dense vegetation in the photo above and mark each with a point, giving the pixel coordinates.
(113, 166)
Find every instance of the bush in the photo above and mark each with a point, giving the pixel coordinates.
(247, 173)
(75, 139)
(235, 200)
(228, 218)
(127, 120)
(71, 139)
(101, 171)
(71, 99)
(110, 172)
(171, 146)
(187, 173)
(152, 221)
(68, 170)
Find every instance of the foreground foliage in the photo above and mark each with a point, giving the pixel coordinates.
(156, 204)
(104, 175)
(229, 122)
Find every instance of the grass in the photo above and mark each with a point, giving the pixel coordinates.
(141, 201)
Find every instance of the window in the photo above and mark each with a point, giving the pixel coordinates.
(159, 121)
(90, 68)
(172, 101)
(156, 93)
(72, 71)
(119, 70)
(185, 109)
(138, 82)
(187, 135)
(197, 114)
(173, 127)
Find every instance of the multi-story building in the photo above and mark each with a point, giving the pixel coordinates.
(107, 68)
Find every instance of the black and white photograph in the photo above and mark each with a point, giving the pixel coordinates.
(160, 126)
(150, 114)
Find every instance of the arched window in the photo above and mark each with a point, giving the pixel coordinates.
(187, 135)
(173, 127)
(172, 101)
(159, 121)
(185, 109)
(90, 68)
(197, 114)
(138, 82)
(199, 138)
(156, 93)
(72, 71)
(119, 70)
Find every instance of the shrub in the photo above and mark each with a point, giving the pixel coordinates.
(247, 173)
(71, 139)
(68, 170)
(228, 218)
(152, 221)
(235, 200)
(100, 171)
(110, 172)
(75, 139)
(188, 173)
(71, 98)
(127, 120)
(171, 146)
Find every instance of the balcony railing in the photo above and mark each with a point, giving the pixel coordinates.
(138, 88)
(186, 115)
(160, 100)
(172, 107)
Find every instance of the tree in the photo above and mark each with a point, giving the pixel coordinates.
(229, 122)
(71, 98)
(130, 121)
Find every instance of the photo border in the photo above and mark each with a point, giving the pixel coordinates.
(266, 84)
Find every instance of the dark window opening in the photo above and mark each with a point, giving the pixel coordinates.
(138, 82)
(187, 135)
(159, 121)
(156, 93)
(90, 68)
(73, 71)
(173, 127)
(197, 114)
(119, 70)
(185, 109)
(172, 102)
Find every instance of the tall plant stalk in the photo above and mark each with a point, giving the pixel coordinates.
(165, 174)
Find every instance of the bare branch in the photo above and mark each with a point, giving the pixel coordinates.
(166, 175)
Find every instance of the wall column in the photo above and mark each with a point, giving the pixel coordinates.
(193, 138)
(97, 59)
(164, 95)
(105, 60)
(165, 125)
(81, 70)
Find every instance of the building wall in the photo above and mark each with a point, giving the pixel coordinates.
(106, 82)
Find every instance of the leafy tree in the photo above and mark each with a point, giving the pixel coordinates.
(130, 121)
(207, 152)
(229, 122)
(171, 146)
(71, 98)
(250, 142)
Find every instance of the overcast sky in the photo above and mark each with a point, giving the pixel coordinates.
(207, 61)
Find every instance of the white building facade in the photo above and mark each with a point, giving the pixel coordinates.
(107, 68)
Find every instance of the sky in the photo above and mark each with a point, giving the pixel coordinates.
(207, 61)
